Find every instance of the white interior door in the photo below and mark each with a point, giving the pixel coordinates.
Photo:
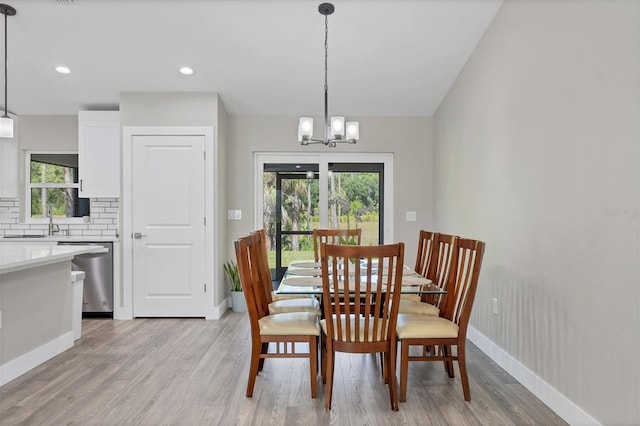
(168, 214)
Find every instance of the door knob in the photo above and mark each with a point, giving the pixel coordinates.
(138, 235)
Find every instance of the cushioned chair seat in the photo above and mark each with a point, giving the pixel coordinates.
(295, 305)
(412, 297)
(294, 323)
(380, 333)
(276, 297)
(421, 308)
(425, 326)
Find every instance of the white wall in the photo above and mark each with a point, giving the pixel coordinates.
(410, 139)
(538, 154)
(49, 132)
(221, 200)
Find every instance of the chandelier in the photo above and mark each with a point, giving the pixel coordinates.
(335, 130)
(6, 123)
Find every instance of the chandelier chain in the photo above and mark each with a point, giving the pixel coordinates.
(326, 49)
(5, 65)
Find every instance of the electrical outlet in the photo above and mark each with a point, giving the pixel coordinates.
(495, 305)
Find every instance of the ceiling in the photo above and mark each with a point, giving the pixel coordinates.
(263, 57)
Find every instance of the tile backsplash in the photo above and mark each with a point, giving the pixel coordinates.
(102, 223)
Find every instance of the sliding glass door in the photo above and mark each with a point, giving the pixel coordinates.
(356, 199)
(290, 214)
(297, 196)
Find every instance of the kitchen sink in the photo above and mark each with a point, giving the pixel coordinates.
(23, 236)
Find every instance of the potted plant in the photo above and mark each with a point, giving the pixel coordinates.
(238, 303)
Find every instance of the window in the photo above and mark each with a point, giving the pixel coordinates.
(52, 179)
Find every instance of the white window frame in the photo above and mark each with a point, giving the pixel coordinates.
(28, 186)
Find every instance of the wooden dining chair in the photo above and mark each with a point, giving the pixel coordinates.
(367, 327)
(423, 260)
(285, 330)
(438, 271)
(437, 335)
(278, 305)
(334, 236)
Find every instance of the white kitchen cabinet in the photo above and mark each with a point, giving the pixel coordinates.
(99, 154)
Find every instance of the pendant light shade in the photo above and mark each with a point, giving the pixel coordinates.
(6, 123)
(352, 131)
(305, 128)
(6, 127)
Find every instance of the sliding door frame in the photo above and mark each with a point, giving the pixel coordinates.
(323, 159)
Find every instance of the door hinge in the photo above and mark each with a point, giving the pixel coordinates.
(205, 220)
(205, 155)
(205, 287)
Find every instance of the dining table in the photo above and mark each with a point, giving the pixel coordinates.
(304, 277)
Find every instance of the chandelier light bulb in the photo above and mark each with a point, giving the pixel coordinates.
(337, 127)
(305, 129)
(353, 131)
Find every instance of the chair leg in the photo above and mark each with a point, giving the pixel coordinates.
(393, 388)
(448, 363)
(384, 357)
(328, 389)
(404, 370)
(323, 358)
(462, 365)
(263, 350)
(313, 365)
(256, 346)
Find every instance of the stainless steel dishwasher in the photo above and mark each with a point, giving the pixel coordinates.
(97, 296)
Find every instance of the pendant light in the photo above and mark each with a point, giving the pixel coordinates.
(6, 123)
(335, 131)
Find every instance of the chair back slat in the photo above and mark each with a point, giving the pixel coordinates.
(361, 286)
(334, 236)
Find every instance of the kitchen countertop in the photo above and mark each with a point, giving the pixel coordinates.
(16, 257)
(56, 238)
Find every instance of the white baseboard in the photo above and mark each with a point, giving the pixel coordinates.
(122, 314)
(219, 310)
(34, 358)
(563, 406)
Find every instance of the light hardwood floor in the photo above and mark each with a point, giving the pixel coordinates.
(194, 372)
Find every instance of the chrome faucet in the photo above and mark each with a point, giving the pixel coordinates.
(52, 228)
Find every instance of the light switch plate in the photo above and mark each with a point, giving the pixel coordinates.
(411, 216)
(234, 214)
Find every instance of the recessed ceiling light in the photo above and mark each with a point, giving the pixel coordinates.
(186, 70)
(63, 70)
